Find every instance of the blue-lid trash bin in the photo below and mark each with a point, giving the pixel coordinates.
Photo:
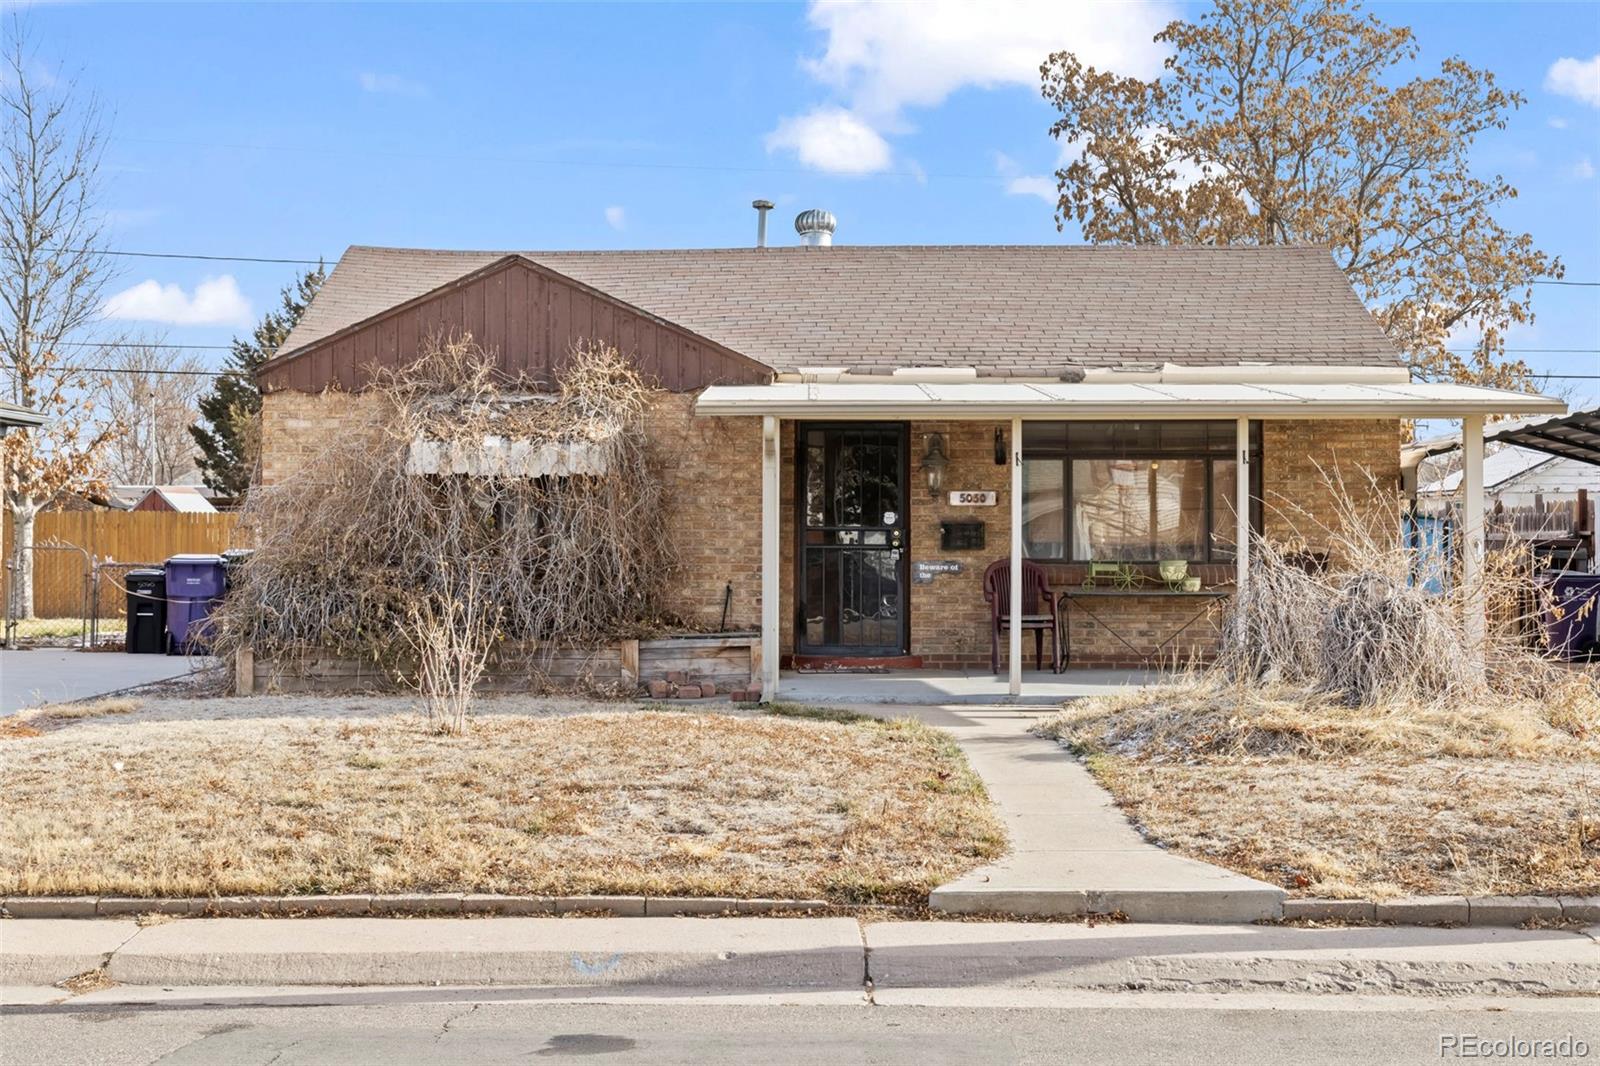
(195, 584)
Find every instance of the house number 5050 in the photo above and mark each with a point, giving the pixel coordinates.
(972, 499)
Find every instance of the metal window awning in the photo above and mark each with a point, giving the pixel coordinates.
(1148, 400)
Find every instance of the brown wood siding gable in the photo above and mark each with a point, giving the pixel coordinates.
(528, 318)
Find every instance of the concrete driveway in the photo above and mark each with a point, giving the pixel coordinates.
(51, 675)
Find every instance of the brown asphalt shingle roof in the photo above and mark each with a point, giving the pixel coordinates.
(1006, 310)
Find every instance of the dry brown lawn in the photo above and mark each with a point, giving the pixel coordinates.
(1333, 801)
(629, 802)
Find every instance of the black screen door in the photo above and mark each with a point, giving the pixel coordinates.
(852, 525)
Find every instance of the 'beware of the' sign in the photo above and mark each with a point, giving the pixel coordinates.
(972, 499)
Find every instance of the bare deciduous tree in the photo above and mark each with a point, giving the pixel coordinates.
(151, 393)
(52, 272)
(1284, 121)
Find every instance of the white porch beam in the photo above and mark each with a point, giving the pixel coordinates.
(1241, 507)
(769, 558)
(1015, 645)
(1472, 539)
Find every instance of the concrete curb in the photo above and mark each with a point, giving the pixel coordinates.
(1448, 910)
(1232, 958)
(402, 904)
(801, 953)
(753, 955)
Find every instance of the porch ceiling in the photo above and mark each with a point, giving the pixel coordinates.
(1145, 400)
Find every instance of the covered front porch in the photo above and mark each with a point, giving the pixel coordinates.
(1242, 399)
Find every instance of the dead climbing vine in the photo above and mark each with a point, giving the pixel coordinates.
(472, 521)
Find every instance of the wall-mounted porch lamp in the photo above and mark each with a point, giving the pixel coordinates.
(1001, 457)
(935, 462)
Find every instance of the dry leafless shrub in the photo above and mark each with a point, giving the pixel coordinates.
(1356, 656)
(546, 525)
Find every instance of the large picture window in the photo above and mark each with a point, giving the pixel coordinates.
(1133, 491)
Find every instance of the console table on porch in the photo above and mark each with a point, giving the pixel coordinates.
(1205, 600)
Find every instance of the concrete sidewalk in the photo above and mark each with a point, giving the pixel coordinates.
(1072, 852)
(754, 955)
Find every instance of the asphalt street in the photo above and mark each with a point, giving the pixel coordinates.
(491, 1026)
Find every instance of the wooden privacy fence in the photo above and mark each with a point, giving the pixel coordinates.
(112, 536)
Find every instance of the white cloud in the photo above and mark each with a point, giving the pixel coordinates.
(890, 56)
(883, 58)
(1034, 185)
(216, 302)
(1556, 122)
(1577, 78)
(372, 81)
(616, 217)
(1583, 169)
(1017, 183)
(832, 140)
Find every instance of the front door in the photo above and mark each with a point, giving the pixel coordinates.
(852, 522)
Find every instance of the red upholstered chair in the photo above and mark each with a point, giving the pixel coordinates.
(1038, 610)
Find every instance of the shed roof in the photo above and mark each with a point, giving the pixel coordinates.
(1008, 311)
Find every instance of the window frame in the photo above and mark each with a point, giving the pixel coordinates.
(1065, 454)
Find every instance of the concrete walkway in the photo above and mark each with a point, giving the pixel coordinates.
(32, 677)
(1040, 688)
(1072, 851)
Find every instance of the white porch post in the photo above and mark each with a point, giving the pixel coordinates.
(769, 558)
(1241, 508)
(1472, 539)
(1015, 646)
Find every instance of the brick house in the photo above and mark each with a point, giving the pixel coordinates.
(851, 435)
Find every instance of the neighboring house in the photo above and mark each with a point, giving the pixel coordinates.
(1542, 486)
(1518, 477)
(839, 426)
(185, 498)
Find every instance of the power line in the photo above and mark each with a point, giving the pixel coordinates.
(186, 255)
(131, 370)
(143, 344)
(322, 261)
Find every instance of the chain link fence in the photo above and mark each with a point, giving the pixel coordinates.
(49, 596)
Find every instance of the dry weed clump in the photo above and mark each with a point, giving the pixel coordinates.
(1346, 653)
(34, 721)
(473, 521)
(1364, 628)
(1206, 716)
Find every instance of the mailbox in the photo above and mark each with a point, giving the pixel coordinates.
(961, 536)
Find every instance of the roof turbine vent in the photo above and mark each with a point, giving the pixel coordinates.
(815, 227)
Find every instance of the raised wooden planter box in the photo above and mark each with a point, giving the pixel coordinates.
(732, 660)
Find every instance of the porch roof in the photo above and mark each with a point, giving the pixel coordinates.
(1144, 400)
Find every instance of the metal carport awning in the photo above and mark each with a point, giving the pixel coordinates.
(1571, 436)
(1151, 400)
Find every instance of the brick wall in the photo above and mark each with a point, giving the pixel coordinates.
(949, 619)
(297, 426)
(712, 472)
(1300, 458)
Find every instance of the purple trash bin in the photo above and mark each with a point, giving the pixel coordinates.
(194, 585)
(1571, 617)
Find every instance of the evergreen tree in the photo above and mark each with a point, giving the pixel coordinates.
(229, 437)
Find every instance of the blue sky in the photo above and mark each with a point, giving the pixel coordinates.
(293, 131)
